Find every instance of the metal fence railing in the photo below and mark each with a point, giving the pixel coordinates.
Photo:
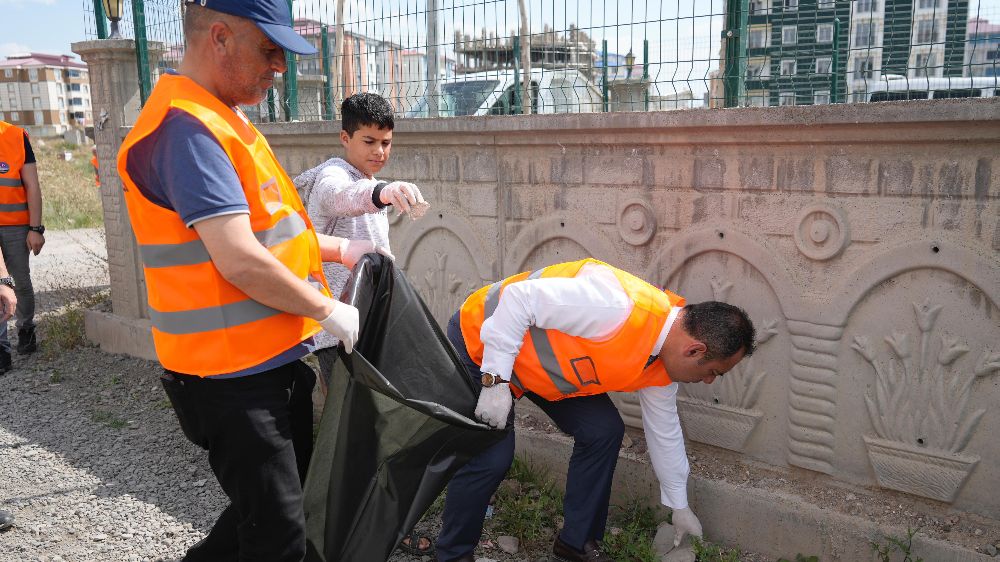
(483, 57)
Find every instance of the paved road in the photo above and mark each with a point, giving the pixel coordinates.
(71, 259)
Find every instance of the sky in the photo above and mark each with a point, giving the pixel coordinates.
(50, 26)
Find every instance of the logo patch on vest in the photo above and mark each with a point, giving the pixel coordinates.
(585, 370)
(270, 194)
(4, 167)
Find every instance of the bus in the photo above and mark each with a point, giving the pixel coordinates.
(897, 88)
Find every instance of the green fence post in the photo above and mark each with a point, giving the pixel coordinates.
(604, 75)
(100, 19)
(735, 36)
(328, 72)
(645, 74)
(516, 109)
(290, 83)
(141, 49)
(835, 64)
(271, 109)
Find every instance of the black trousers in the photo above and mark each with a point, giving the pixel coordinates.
(258, 433)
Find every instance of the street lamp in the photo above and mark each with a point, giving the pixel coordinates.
(113, 9)
(629, 61)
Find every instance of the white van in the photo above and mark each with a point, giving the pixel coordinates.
(893, 87)
(492, 93)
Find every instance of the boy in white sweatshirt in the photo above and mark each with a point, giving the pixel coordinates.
(344, 199)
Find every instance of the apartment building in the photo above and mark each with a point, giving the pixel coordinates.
(792, 47)
(46, 94)
(982, 49)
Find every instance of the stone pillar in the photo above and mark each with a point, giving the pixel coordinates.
(114, 86)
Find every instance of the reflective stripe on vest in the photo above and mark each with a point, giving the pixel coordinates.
(194, 251)
(8, 182)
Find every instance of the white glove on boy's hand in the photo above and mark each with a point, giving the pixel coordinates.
(401, 195)
(685, 522)
(494, 405)
(342, 323)
(352, 250)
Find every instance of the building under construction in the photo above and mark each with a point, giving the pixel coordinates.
(569, 49)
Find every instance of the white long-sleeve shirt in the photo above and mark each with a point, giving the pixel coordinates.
(592, 305)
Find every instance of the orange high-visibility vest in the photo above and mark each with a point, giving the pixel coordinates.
(202, 324)
(555, 365)
(13, 199)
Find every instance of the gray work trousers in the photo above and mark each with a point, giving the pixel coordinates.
(14, 244)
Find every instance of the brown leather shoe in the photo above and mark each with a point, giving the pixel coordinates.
(562, 552)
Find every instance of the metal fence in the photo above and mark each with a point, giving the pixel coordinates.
(487, 57)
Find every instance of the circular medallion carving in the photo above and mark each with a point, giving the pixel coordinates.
(636, 222)
(821, 232)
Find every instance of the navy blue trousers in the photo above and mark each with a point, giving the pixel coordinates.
(597, 430)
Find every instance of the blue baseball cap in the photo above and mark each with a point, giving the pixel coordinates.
(273, 17)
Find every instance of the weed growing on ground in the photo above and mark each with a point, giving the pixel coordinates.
(801, 558)
(55, 377)
(70, 198)
(109, 419)
(637, 524)
(64, 331)
(527, 504)
(885, 551)
(705, 551)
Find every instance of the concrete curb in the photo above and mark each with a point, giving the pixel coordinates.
(754, 519)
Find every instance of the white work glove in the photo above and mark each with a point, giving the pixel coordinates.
(401, 195)
(494, 405)
(342, 323)
(685, 523)
(352, 250)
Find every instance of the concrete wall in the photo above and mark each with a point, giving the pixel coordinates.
(864, 240)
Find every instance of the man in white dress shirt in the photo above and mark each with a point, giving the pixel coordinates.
(565, 336)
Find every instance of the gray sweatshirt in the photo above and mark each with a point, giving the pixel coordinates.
(339, 201)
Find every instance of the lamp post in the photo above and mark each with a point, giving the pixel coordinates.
(629, 61)
(113, 9)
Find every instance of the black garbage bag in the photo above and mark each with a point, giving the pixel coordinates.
(397, 424)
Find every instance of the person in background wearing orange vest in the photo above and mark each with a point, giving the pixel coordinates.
(97, 169)
(564, 336)
(21, 233)
(233, 271)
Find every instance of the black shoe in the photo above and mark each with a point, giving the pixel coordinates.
(6, 520)
(5, 364)
(562, 552)
(26, 342)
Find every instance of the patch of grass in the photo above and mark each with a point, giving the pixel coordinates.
(885, 550)
(801, 558)
(638, 523)
(164, 404)
(55, 377)
(527, 505)
(65, 330)
(705, 551)
(70, 198)
(109, 419)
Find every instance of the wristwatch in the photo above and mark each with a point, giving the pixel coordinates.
(9, 281)
(490, 379)
(39, 229)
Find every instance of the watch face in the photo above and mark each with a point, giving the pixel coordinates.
(488, 379)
